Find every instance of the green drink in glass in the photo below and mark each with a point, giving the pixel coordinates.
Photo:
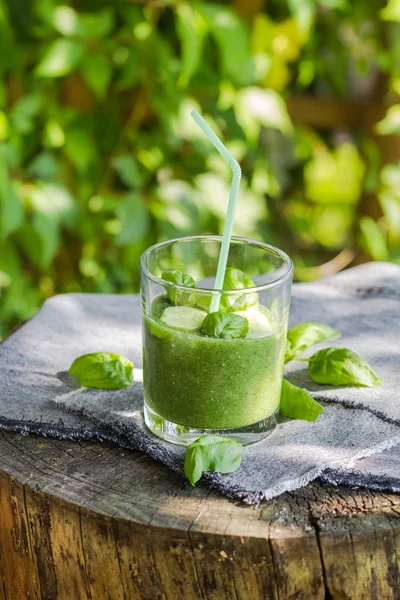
(213, 371)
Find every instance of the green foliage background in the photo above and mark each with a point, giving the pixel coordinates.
(99, 157)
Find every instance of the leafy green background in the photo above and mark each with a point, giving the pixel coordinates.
(100, 158)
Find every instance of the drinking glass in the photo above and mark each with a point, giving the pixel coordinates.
(196, 384)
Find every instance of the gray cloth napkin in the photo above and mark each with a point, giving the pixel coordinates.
(342, 446)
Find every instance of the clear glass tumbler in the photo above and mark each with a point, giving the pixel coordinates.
(196, 383)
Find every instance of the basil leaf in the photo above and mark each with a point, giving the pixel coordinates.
(103, 370)
(179, 278)
(304, 335)
(203, 301)
(235, 279)
(212, 453)
(340, 366)
(296, 403)
(225, 325)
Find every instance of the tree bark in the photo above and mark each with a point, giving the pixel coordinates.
(93, 521)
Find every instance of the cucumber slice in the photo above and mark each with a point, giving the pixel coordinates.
(185, 318)
(259, 324)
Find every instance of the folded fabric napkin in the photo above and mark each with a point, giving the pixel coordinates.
(342, 446)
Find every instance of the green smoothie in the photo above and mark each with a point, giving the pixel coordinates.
(204, 382)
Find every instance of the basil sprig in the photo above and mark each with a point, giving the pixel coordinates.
(103, 370)
(302, 336)
(225, 325)
(212, 453)
(330, 366)
(296, 403)
(340, 366)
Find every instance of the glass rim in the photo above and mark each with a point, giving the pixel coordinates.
(218, 238)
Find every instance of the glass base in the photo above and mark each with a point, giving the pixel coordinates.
(184, 436)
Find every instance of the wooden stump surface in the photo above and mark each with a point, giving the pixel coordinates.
(93, 521)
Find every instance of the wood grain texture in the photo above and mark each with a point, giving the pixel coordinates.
(90, 521)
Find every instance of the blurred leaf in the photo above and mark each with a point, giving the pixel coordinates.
(299, 216)
(391, 12)
(389, 198)
(21, 298)
(44, 166)
(128, 170)
(227, 95)
(178, 209)
(47, 229)
(264, 181)
(334, 4)
(263, 32)
(61, 57)
(52, 206)
(278, 75)
(232, 39)
(331, 225)
(306, 73)
(55, 135)
(214, 193)
(97, 24)
(54, 201)
(10, 155)
(7, 47)
(80, 148)
(89, 267)
(151, 158)
(131, 72)
(390, 125)
(10, 261)
(373, 239)
(142, 31)
(395, 85)
(25, 111)
(134, 218)
(4, 128)
(391, 209)
(304, 13)
(5, 280)
(11, 209)
(43, 10)
(69, 22)
(251, 211)
(66, 20)
(191, 29)
(97, 72)
(30, 245)
(255, 107)
(371, 150)
(335, 177)
(390, 176)
(281, 40)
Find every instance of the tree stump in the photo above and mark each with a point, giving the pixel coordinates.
(93, 521)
